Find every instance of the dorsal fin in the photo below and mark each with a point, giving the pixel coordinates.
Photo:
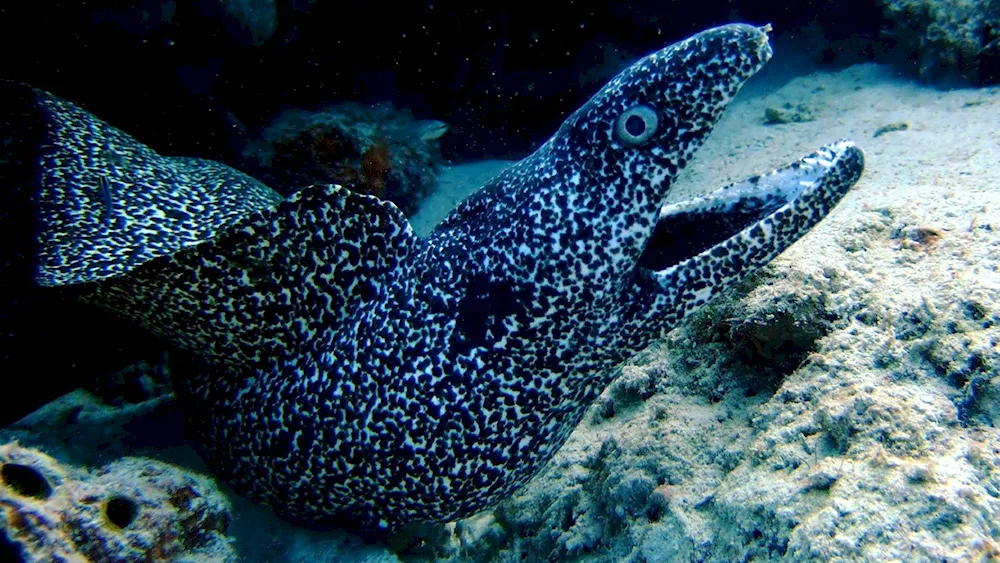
(276, 281)
(99, 202)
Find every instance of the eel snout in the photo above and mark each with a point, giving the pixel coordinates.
(734, 52)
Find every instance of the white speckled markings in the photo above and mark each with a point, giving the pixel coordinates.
(103, 202)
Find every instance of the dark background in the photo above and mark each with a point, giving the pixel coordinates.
(503, 76)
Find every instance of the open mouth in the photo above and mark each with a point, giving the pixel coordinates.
(786, 202)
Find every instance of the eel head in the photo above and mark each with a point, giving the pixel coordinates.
(602, 177)
(573, 246)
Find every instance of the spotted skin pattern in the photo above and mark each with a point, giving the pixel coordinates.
(361, 377)
(106, 203)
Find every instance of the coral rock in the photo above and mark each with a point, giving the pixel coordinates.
(133, 509)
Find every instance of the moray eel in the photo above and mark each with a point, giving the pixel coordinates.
(355, 375)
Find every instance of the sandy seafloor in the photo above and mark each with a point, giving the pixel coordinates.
(842, 405)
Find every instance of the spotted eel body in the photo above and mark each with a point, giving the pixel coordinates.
(356, 375)
(87, 201)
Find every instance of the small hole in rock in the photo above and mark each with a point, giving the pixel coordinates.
(25, 480)
(121, 511)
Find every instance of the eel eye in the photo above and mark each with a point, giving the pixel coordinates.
(636, 125)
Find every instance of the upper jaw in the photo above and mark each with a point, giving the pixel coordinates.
(706, 71)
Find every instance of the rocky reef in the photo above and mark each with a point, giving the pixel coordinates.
(947, 40)
(133, 509)
(255, 20)
(377, 150)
